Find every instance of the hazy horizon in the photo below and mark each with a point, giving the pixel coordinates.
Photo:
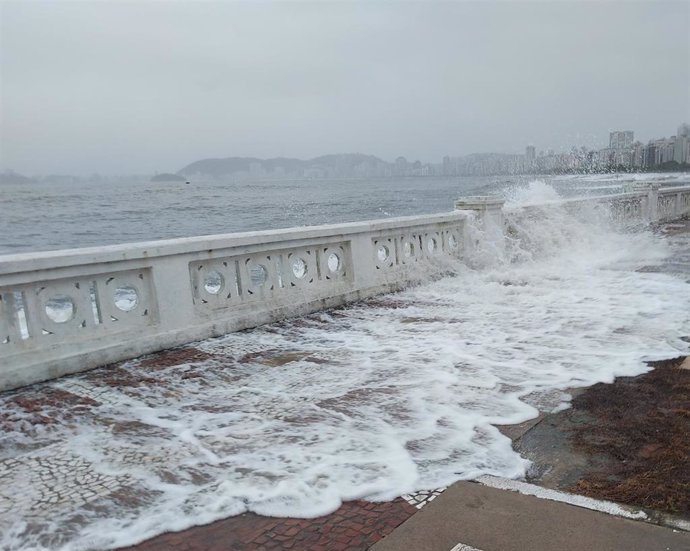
(139, 88)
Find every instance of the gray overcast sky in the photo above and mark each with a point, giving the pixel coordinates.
(125, 87)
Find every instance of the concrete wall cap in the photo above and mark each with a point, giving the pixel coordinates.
(479, 202)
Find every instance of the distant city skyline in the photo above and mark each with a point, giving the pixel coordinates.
(596, 142)
(623, 153)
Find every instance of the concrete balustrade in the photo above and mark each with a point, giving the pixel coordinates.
(67, 311)
(489, 235)
(651, 206)
(647, 205)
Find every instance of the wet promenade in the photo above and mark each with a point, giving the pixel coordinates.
(211, 430)
(41, 477)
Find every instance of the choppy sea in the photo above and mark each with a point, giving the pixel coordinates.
(44, 216)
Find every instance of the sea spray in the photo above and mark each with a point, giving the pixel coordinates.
(370, 401)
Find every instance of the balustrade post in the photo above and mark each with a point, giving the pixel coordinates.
(653, 203)
(490, 221)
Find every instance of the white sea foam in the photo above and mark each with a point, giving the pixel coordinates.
(378, 399)
(537, 192)
(628, 177)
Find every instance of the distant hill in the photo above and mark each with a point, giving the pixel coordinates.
(167, 177)
(340, 165)
(11, 177)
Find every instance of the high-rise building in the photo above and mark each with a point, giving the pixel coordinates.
(660, 151)
(680, 147)
(621, 139)
(530, 153)
(638, 154)
(401, 166)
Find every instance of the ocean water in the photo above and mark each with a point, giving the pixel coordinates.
(45, 216)
(378, 399)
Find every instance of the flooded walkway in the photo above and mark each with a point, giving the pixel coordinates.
(370, 402)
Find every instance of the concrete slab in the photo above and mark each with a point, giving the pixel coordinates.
(499, 520)
(514, 432)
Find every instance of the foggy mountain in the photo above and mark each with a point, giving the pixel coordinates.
(326, 165)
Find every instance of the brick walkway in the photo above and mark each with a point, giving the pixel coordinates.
(356, 526)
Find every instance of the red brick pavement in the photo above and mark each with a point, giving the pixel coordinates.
(356, 526)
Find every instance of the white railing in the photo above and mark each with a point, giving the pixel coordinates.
(649, 205)
(68, 311)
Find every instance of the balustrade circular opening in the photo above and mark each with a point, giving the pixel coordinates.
(408, 249)
(333, 262)
(126, 298)
(299, 268)
(60, 309)
(431, 245)
(258, 274)
(383, 253)
(213, 282)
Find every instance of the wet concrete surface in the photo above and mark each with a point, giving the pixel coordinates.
(625, 442)
(488, 519)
